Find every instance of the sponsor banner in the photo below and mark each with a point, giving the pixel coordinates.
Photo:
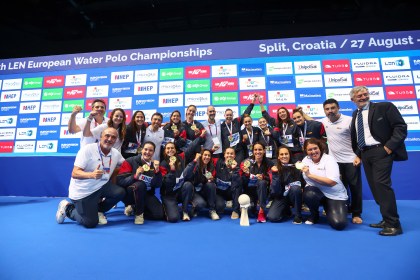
(197, 85)
(10, 108)
(279, 68)
(24, 147)
(201, 99)
(280, 82)
(89, 102)
(141, 103)
(29, 107)
(218, 71)
(252, 83)
(335, 66)
(1, 83)
(400, 92)
(313, 110)
(68, 146)
(251, 69)
(175, 100)
(98, 78)
(415, 62)
(224, 84)
(367, 79)
(53, 81)
(316, 94)
(48, 133)
(395, 63)
(339, 94)
(10, 96)
(307, 67)
(51, 106)
(255, 114)
(416, 77)
(75, 80)
(308, 81)
(145, 88)
(11, 84)
(272, 109)
(7, 134)
(125, 90)
(26, 133)
(171, 87)
(97, 91)
(68, 105)
(246, 97)
(122, 77)
(171, 74)
(48, 146)
(398, 78)
(32, 82)
(74, 92)
(121, 102)
(200, 115)
(197, 72)
(220, 112)
(65, 133)
(65, 117)
(224, 98)
(365, 64)
(52, 94)
(31, 95)
(338, 80)
(407, 107)
(49, 119)
(6, 146)
(146, 75)
(27, 121)
(413, 122)
(376, 93)
(281, 96)
(418, 92)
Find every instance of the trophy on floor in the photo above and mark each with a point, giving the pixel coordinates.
(244, 202)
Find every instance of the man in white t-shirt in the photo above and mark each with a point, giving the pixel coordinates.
(337, 127)
(214, 133)
(96, 117)
(91, 191)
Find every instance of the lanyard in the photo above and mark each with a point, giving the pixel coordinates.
(138, 137)
(304, 131)
(285, 126)
(250, 137)
(230, 130)
(102, 159)
(267, 140)
(215, 125)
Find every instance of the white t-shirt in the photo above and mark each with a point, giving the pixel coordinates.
(339, 138)
(326, 167)
(97, 135)
(87, 140)
(156, 137)
(213, 131)
(88, 158)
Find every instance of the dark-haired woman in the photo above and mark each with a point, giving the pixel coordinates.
(175, 131)
(193, 129)
(134, 137)
(249, 136)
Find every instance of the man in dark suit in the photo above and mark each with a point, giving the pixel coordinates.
(377, 133)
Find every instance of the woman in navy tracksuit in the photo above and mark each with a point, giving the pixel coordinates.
(174, 131)
(249, 135)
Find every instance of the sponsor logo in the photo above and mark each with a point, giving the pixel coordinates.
(279, 68)
(53, 81)
(11, 84)
(32, 82)
(7, 133)
(31, 95)
(171, 87)
(367, 79)
(146, 75)
(121, 89)
(416, 77)
(24, 147)
(122, 77)
(224, 71)
(97, 91)
(313, 110)
(272, 109)
(8, 121)
(406, 107)
(418, 92)
(400, 92)
(246, 97)
(29, 108)
(376, 93)
(26, 133)
(120, 102)
(175, 100)
(197, 85)
(311, 93)
(88, 104)
(76, 80)
(30, 120)
(65, 117)
(6, 147)
(46, 146)
(280, 82)
(13, 109)
(10, 96)
(202, 99)
(255, 114)
(251, 69)
(197, 72)
(68, 105)
(98, 78)
(49, 119)
(395, 63)
(337, 80)
(252, 83)
(74, 92)
(149, 102)
(415, 62)
(398, 78)
(69, 147)
(339, 94)
(224, 98)
(52, 94)
(333, 66)
(220, 112)
(413, 122)
(307, 67)
(281, 96)
(46, 133)
(365, 64)
(308, 81)
(171, 74)
(224, 84)
(51, 106)
(65, 133)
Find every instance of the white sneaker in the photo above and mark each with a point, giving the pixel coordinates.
(128, 210)
(102, 219)
(214, 216)
(139, 219)
(308, 222)
(185, 216)
(229, 204)
(61, 211)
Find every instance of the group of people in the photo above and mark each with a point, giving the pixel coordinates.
(284, 165)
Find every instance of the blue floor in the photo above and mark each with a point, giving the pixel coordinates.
(34, 246)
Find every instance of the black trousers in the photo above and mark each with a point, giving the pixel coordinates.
(352, 180)
(378, 167)
(145, 201)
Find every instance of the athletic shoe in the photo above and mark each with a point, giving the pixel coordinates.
(128, 210)
(234, 215)
(229, 204)
(185, 216)
(261, 217)
(297, 220)
(61, 211)
(214, 216)
(269, 204)
(102, 219)
(139, 219)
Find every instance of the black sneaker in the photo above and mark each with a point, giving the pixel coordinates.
(297, 220)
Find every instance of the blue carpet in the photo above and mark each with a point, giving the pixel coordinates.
(34, 246)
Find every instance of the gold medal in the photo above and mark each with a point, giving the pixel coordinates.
(174, 127)
(299, 165)
(139, 150)
(231, 162)
(230, 138)
(146, 167)
(247, 163)
(208, 175)
(172, 159)
(193, 127)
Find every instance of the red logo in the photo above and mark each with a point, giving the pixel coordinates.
(88, 104)
(6, 147)
(224, 84)
(54, 81)
(367, 79)
(272, 109)
(197, 72)
(74, 92)
(331, 66)
(247, 96)
(400, 92)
